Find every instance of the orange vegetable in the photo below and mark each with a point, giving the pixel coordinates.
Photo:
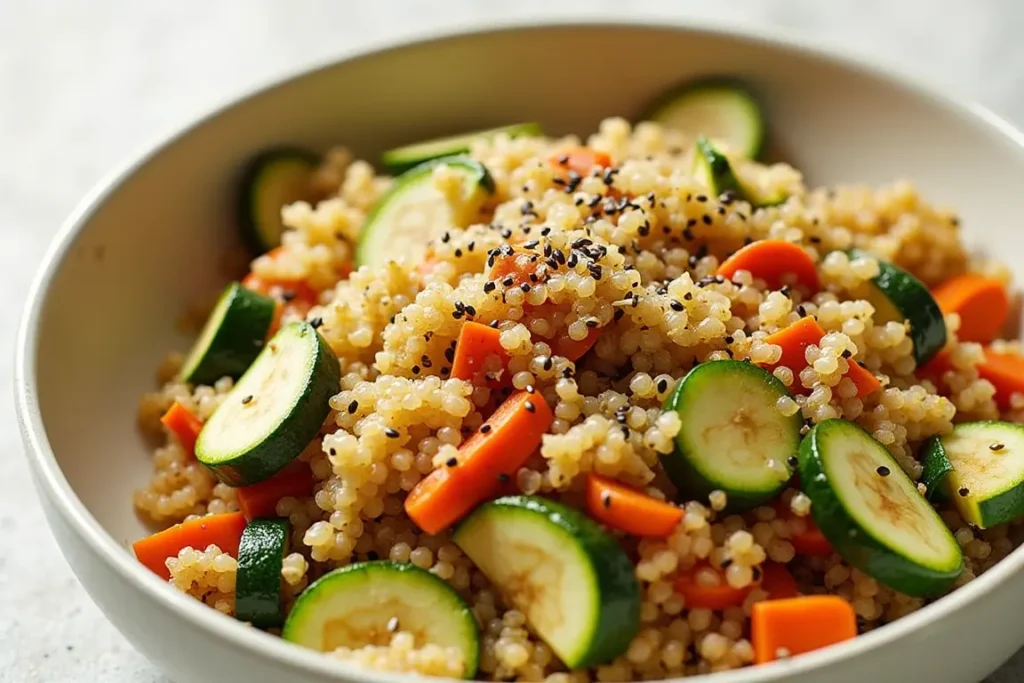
(811, 541)
(620, 507)
(521, 265)
(224, 531)
(573, 350)
(934, 369)
(772, 261)
(1005, 372)
(982, 304)
(794, 341)
(777, 581)
(260, 500)
(477, 343)
(581, 160)
(701, 595)
(784, 628)
(485, 461)
(184, 425)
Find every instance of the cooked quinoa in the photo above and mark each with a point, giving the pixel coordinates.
(632, 252)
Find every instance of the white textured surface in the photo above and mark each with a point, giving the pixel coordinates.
(85, 84)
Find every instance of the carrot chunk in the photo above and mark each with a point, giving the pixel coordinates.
(515, 269)
(981, 302)
(777, 262)
(573, 350)
(477, 343)
(484, 463)
(224, 531)
(1006, 373)
(581, 160)
(700, 592)
(184, 425)
(260, 500)
(794, 341)
(783, 628)
(620, 507)
(777, 581)
(811, 541)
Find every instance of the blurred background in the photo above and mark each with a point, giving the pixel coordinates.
(85, 84)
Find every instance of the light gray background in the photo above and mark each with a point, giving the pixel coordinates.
(86, 83)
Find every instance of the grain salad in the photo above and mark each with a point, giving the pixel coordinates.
(635, 405)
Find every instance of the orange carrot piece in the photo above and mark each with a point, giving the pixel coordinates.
(573, 350)
(719, 596)
(784, 628)
(477, 343)
(811, 541)
(260, 500)
(772, 261)
(1005, 372)
(794, 341)
(224, 531)
(581, 160)
(777, 581)
(494, 453)
(940, 364)
(621, 507)
(184, 425)
(981, 302)
(520, 265)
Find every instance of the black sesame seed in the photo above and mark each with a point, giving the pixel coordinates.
(606, 500)
(445, 371)
(619, 312)
(792, 461)
(445, 237)
(591, 323)
(247, 400)
(470, 246)
(449, 354)
(333, 451)
(494, 324)
(726, 563)
(353, 407)
(532, 244)
(883, 471)
(756, 573)
(801, 310)
(489, 286)
(530, 408)
(415, 369)
(558, 181)
(287, 295)
(508, 281)
(662, 385)
(996, 446)
(815, 239)
(470, 310)
(484, 428)
(452, 461)
(688, 296)
(707, 219)
(729, 339)
(847, 353)
(701, 198)
(676, 305)
(391, 433)
(504, 478)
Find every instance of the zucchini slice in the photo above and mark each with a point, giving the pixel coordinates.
(401, 159)
(414, 211)
(275, 410)
(231, 338)
(562, 570)
(899, 296)
(872, 514)
(719, 108)
(714, 169)
(364, 603)
(987, 481)
(936, 468)
(272, 179)
(258, 585)
(733, 437)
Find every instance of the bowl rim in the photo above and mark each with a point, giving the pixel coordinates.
(52, 484)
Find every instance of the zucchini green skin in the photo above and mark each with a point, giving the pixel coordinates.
(401, 159)
(232, 337)
(258, 585)
(377, 243)
(936, 469)
(290, 433)
(719, 170)
(849, 538)
(660, 109)
(987, 508)
(683, 464)
(607, 569)
(911, 298)
(369, 582)
(261, 232)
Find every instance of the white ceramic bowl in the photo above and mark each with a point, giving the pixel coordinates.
(102, 310)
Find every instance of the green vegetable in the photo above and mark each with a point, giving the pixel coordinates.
(232, 337)
(872, 513)
(733, 437)
(258, 584)
(273, 179)
(562, 570)
(275, 410)
(401, 159)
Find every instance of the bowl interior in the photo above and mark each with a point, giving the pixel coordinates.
(152, 243)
